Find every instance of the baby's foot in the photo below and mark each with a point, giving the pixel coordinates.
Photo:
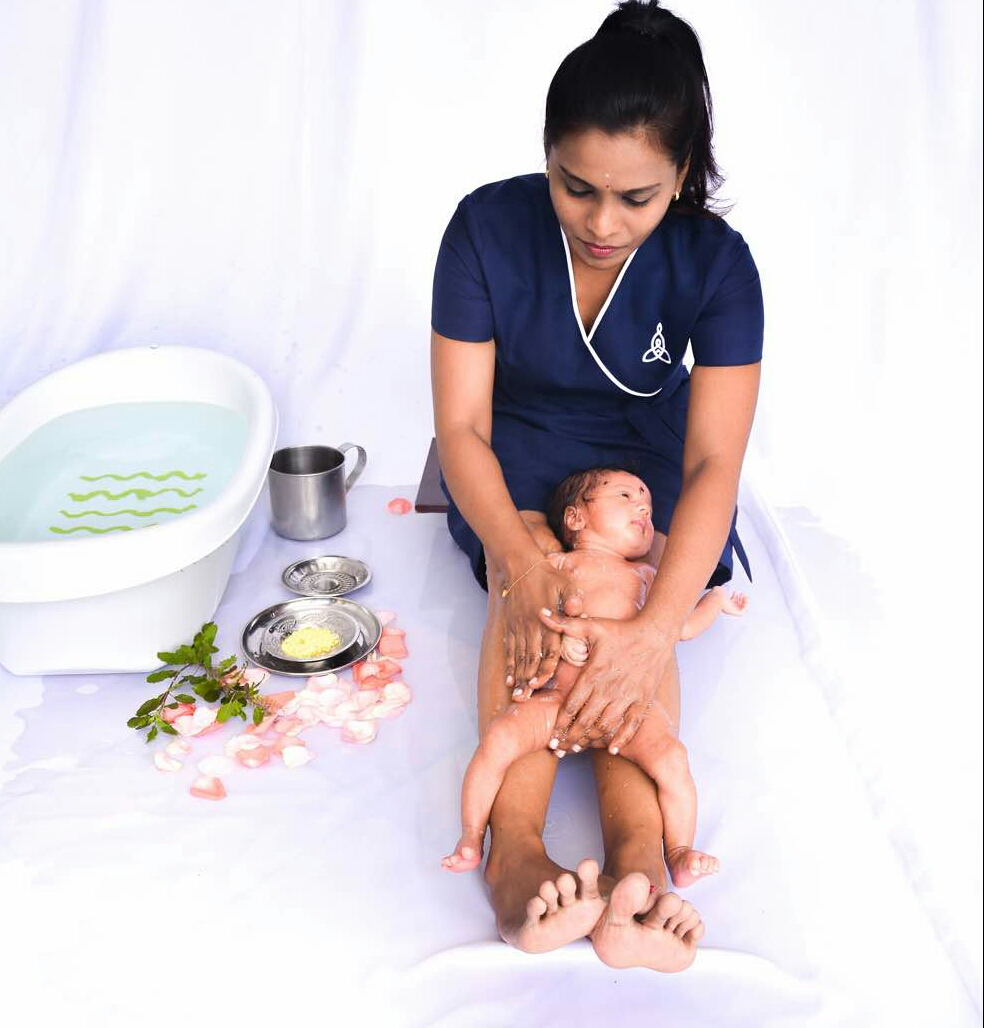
(467, 853)
(687, 865)
(734, 604)
(665, 939)
(561, 911)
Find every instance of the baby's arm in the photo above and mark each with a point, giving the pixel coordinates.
(708, 607)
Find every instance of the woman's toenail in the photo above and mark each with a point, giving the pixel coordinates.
(517, 691)
(575, 748)
(614, 751)
(554, 743)
(561, 753)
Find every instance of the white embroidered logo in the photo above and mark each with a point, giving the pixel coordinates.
(657, 348)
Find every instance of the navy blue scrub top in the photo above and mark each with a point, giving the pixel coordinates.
(565, 399)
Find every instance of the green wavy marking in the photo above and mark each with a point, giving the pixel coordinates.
(140, 494)
(146, 474)
(98, 531)
(129, 510)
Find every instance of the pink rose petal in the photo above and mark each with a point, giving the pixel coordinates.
(177, 748)
(318, 683)
(214, 766)
(284, 741)
(398, 691)
(385, 616)
(295, 756)
(387, 708)
(390, 630)
(399, 506)
(255, 675)
(208, 788)
(241, 742)
(274, 702)
(181, 710)
(254, 758)
(359, 732)
(284, 725)
(393, 646)
(165, 763)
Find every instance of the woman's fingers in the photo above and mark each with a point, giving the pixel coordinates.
(568, 712)
(526, 668)
(597, 711)
(510, 647)
(551, 652)
(634, 717)
(580, 628)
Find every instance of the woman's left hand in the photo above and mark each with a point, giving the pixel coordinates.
(618, 684)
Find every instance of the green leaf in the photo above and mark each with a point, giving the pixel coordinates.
(226, 665)
(151, 704)
(171, 706)
(183, 697)
(169, 729)
(225, 712)
(152, 734)
(211, 695)
(160, 676)
(186, 655)
(168, 658)
(138, 722)
(197, 679)
(257, 715)
(209, 631)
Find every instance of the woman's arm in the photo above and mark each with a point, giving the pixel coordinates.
(627, 658)
(461, 376)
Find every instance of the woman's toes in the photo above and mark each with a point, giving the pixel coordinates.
(667, 906)
(567, 888)
(536, 908)
(688, 924)
(695, 934)
(587, 873)
(674, 921)
(549, 895)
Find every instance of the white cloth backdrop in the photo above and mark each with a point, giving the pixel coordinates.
(272, 180)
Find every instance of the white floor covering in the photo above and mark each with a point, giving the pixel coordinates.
(316, 895)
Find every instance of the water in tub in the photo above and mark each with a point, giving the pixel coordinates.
(117, 468)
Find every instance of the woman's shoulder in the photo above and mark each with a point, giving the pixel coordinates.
(519, 192)
(703, 232)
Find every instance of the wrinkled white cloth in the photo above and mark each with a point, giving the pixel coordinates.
(329, 873)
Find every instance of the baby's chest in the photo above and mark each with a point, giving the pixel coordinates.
(610, 589)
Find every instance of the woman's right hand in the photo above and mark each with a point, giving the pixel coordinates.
(532, 648)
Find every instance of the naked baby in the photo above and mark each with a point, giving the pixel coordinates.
(603, 519)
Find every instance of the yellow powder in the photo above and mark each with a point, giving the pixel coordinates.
(311, 641)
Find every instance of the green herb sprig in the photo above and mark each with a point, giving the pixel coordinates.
(191, 665)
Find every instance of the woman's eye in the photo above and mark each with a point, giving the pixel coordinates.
(636, 203)
(577, 192)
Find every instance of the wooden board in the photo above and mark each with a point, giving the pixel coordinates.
(430, 495)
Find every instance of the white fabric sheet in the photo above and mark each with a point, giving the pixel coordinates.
(271, 178)
(318, 891)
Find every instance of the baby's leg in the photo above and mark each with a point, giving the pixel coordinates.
(663, 757)
(520, 729)
(712, 603)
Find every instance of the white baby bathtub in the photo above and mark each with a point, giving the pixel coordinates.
(110, 603)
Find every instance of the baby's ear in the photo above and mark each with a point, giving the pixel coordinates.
(574, 519)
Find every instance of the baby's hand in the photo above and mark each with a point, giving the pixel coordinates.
(574, 651)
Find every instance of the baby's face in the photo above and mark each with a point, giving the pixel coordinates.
(618, 511)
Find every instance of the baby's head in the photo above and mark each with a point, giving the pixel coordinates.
(603, 507)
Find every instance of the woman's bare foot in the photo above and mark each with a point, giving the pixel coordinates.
(734, 604)
(688, 866)
(467, 852)
(541, 906)
(665, 939)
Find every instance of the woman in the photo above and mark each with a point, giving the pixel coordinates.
(563, 305)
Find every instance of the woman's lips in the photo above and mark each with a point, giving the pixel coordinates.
(600, 251)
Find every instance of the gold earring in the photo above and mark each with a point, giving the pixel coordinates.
(547, 173)
(676, 195)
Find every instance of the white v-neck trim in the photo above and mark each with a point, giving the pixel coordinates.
(588, 336)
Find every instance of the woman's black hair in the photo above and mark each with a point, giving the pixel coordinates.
(643, 69)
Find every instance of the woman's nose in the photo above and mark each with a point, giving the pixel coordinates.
(602, 221)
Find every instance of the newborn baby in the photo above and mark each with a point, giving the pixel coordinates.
(603, 519)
